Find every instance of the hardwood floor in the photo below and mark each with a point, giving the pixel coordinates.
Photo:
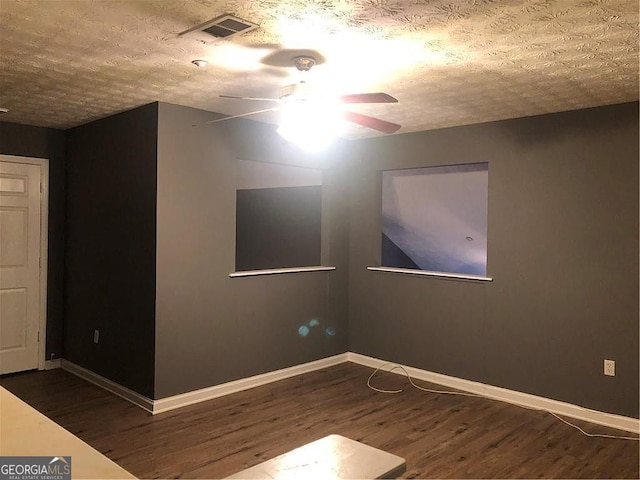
(440, 436)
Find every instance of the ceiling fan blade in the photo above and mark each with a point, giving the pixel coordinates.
(371, 122)
(368, 98)
(251, 98)
(238, 116)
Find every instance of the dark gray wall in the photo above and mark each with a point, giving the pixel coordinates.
(211, 328)
(562, 249)
(28, 141)
(110, 247)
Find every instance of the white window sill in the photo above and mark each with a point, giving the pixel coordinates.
(277, 271)
(425, 273)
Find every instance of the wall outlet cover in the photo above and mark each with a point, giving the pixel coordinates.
(610, 368)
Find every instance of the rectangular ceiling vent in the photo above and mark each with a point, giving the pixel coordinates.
(225, 26)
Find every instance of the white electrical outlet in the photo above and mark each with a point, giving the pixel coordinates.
(96, 336)
(610, 368)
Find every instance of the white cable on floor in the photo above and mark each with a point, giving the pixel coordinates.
(395, 366)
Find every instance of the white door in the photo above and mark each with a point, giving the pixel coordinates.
(20, 193)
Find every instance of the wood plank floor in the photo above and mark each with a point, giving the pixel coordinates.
(440, 436)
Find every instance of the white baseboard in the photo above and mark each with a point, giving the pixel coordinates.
(111, 386)
(497, 393)
(196, 396)
(52, 364)
(619, 422)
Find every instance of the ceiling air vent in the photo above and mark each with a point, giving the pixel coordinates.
(225, 26)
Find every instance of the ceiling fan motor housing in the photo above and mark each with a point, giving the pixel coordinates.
(304, 63)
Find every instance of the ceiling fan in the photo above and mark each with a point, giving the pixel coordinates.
(299, 94)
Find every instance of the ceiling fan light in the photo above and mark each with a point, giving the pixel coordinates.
(310, 125)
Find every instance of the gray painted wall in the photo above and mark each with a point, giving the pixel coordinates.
(562, 249)
(110, 247)
(211, 328)
(28, 141)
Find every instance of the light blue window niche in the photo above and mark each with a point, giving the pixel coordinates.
(435, 219)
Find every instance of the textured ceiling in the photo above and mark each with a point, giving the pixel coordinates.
(449, 62)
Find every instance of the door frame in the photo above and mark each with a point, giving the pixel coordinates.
(43, 163)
